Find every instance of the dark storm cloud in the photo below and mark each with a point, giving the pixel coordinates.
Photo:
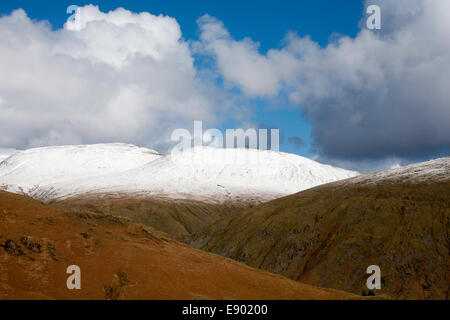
(383, 94)
(297, 142)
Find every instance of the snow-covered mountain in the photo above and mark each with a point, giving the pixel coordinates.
(429, 171)
(208, 174)
(5, 153)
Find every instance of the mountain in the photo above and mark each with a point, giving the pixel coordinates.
(6, 152)
(327, 236)
(27, 171)
(120, 259)
(205, 174)
(178, 194)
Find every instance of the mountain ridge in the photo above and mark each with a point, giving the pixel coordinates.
(202, 173)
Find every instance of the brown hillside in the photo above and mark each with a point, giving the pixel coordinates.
(120, 259)
(180, 218)
(329, 235)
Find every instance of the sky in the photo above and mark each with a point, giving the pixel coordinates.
(133, 71)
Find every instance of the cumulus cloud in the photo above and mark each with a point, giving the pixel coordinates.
(382, 95)
(116, 76)
(240, 63)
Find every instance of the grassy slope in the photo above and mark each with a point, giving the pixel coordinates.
(178, 218)
(329, 235)
(120, 259)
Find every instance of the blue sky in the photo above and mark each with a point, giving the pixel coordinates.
(338, 92)
(264, 21)
(267, 21)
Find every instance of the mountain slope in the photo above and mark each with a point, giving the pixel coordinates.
(180, 218)
(206, 174)
(327, 236)
(5, 153)
(120, 260)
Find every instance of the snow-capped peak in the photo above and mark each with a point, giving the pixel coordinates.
(202, 173)
(49, 165)
(433, 170)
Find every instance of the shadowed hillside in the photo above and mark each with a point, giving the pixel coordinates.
(120, 259)
(329, 235)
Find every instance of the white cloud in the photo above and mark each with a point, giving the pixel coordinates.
(240, 62)
(381, 95)
(118, 36)
(121, 77)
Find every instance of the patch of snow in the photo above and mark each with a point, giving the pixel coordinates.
(433, 170)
